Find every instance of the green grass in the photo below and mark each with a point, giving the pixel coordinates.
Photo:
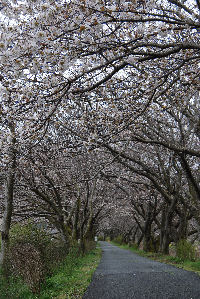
(73, 278)
(14, 288)
(186, 265)
(70, 280)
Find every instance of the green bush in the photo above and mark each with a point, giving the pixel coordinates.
(118, 240)
(185, 251)
(33, 254)
(101, 238)
(29, 233)
(51, 250)
(27, 259)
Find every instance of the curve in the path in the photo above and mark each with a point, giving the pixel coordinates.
(123, 274)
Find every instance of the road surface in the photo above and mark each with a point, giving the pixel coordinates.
(123, 274)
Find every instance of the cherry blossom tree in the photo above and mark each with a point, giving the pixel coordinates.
(102, 71)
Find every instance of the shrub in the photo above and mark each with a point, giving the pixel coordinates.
(29, 233)
(27, 254)
(27, 262)
(185, 250)
(101, 238)
(33, 254)
(118, 239)
(90, 245)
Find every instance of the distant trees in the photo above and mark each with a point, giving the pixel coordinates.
(163, 149)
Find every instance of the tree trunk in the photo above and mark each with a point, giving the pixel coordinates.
(140, 240)
(9, 190)
(147, 230)
(134, 235)
(64, 229)
(147, 241)
(182, 232)
(166, 225)
(165, 243)
(75, 233)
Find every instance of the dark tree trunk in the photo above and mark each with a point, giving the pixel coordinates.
(147, 230)
(166, 224)
(9, 191)
(140, 240)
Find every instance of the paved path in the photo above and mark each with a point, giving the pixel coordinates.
(123, 274)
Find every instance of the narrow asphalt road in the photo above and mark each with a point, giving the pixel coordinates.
(123, 274)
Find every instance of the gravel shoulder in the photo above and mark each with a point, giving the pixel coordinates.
(123, 274)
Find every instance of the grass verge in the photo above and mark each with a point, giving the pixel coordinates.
(73, 278)
(14, 288)
(69, 281)
(186, 265)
